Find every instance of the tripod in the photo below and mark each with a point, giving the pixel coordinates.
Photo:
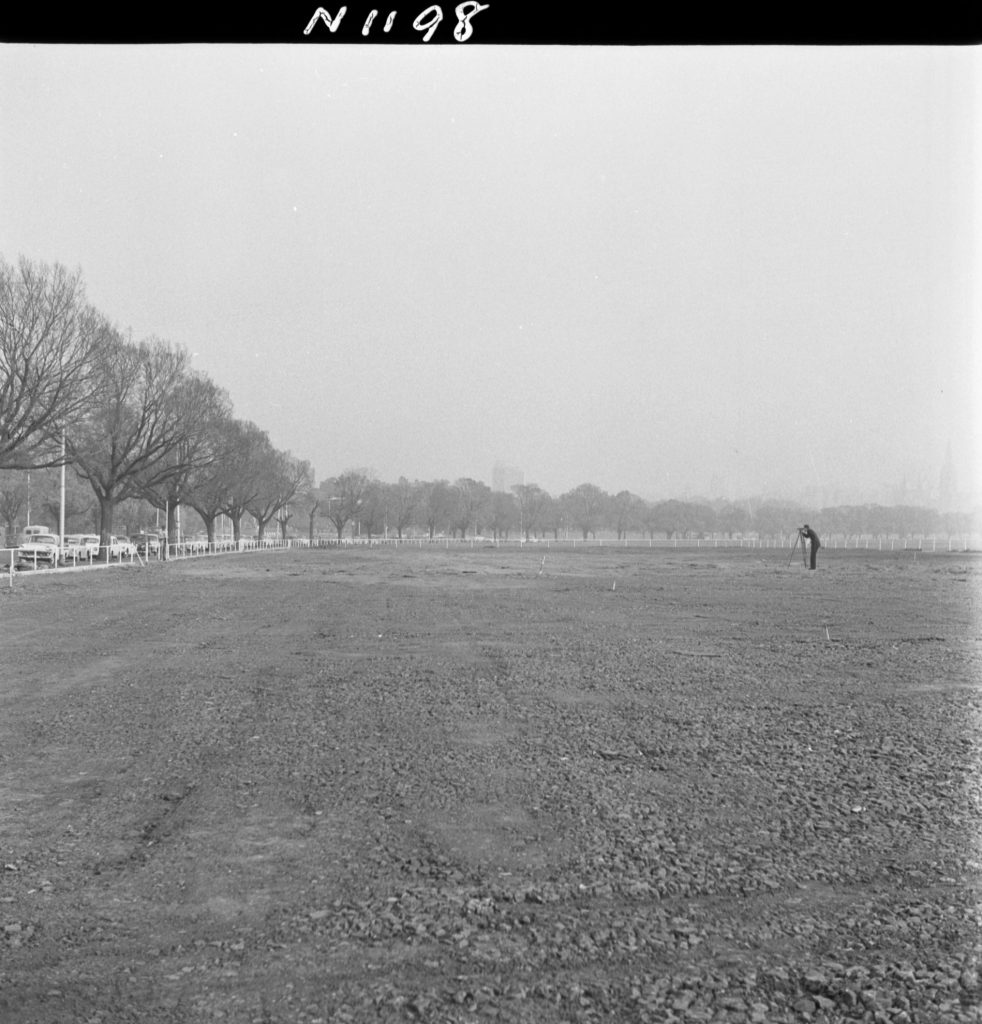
(794, 547)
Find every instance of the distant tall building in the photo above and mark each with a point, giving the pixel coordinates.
(504, 478)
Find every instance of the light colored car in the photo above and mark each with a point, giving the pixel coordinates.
(30, 532)
(91, 543)
(75, 549)
(147, 544)
(120, 547)
(39, 549)
(113, 548)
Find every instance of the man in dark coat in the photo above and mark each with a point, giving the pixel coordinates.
(807, 533)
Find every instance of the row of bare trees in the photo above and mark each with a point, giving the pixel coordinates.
(468, 507)
(132, 419)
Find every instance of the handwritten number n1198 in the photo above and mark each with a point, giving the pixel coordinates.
(426, 21)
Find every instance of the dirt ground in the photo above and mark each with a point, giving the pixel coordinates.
(493, 784)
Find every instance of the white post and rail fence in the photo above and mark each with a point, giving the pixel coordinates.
(11, 563)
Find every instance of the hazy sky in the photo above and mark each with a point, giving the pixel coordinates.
(694, 270)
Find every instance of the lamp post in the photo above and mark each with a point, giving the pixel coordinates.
(61, 507)
(329, 500)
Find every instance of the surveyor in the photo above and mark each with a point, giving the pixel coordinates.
(807, 533)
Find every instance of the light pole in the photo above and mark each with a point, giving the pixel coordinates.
(61, 507)
(334, 521)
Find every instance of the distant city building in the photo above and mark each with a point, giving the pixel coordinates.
(504, 478)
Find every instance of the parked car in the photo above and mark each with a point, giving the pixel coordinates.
(147, 544)
(75, 549)
(121, 547)
(114, 548)
(30, 532)
(92, 544)
(39, 549)
(80, 547)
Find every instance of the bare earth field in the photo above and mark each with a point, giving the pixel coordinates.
(610, 785)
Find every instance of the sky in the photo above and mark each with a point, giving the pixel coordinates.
(678, 271)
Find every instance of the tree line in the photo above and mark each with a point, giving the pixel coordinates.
(135, 423)
(133, 420)
(469, 508)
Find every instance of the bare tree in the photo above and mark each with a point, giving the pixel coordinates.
(310, 500)
(554, 518)
(245, 471)
(586, 506)
(283, 477)
(204, 409)
(532, 504)
(503, 514)
(345, 494)
(298, 483)
(49, 340)
(625, 513)
(207, 487)
(300, 493)
(774, 518)
(265, 500)
(373, 513)
(404, 500)
(650, 519)
(81, 509)
(13, 500)
(124, 442)
(675, 517)
(472, 506)
(732, 517)
(437, 501)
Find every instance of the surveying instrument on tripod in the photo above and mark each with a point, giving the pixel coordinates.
(806, 533)
(794, 547)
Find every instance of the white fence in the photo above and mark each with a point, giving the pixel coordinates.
(868, 542)
(12, 564)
